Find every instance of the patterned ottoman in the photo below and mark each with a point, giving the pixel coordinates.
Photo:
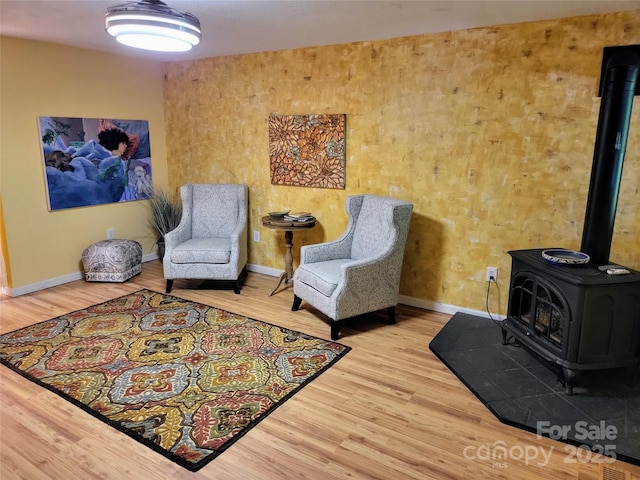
(112, 260)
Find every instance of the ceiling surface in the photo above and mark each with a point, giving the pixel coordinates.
(243, 26)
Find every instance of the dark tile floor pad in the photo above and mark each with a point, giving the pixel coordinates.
(523, 391)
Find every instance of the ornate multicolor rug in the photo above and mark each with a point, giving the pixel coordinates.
(185, 379)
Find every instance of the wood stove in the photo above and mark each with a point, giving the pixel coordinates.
(576, 317)
(585, 317)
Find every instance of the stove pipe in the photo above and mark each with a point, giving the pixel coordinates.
(617, 87)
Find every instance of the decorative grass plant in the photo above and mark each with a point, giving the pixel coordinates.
(165, 215)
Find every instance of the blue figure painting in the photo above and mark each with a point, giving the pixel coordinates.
(93, 161)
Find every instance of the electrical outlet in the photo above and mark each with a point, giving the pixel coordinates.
(256, 236)
(110, 233)
(492, 274)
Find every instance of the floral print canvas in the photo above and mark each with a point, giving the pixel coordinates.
(307, 150)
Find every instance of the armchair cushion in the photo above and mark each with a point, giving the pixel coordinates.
(202, 250)
(322, 276)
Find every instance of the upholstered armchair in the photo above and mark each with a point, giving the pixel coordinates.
(210, 243)
(360, 271)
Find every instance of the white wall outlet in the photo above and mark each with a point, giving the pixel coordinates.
(256, 236)
(111, 234)
(492, 274)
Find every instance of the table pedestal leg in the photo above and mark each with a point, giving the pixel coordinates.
(287, 275)
(288, 257)
(283, 276)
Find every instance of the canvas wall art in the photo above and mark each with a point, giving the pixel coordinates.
(307, 150)
(94, 161)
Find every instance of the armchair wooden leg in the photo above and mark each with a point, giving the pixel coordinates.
(391, 311)
(335, 330)
(296, 303)
(169, 285)
(240, 280)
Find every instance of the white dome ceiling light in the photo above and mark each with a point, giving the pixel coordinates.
(152, 25)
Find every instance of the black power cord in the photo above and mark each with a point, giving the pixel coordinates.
(509, 339)
(491, 280)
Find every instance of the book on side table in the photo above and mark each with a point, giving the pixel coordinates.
(298, 217)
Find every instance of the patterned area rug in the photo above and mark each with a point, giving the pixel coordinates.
(185, 379)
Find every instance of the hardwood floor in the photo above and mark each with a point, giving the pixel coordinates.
(388, 410)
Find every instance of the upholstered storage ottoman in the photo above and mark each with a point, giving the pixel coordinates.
(112, 260)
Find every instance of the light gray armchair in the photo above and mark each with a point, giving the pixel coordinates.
(360, 271)
(210, 243)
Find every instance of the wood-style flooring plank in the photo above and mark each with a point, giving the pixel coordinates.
(388, 410)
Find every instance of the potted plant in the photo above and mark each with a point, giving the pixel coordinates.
(165, 216)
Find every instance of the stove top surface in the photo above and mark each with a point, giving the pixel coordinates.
(586, 274)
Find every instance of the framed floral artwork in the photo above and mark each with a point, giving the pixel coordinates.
(307, 150)
(93, 161)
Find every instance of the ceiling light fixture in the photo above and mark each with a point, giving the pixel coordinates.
(152, 25)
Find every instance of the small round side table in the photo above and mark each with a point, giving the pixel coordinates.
(289, 227)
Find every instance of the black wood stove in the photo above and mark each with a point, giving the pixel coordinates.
(586, 316)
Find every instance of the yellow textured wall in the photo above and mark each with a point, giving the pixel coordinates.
(489, 132)
(46, 79)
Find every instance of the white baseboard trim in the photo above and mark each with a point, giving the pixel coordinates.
(445, 307)
(273, 272)
(403, 299)
(54, 282)
(150, 256)
(51, 282)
